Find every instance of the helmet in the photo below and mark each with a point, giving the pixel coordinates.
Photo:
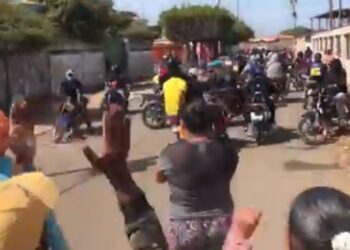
(318, 57)
(192, 71)
(69, 73)
(115, 69)
(172, 64)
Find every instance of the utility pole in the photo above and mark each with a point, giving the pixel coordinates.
(340, 16)
(331, 14)
(238, 9)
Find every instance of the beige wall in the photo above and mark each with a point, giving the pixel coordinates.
(301, 44)
(339, 41)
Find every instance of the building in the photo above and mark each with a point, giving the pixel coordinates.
(337, 39)
(271, 43)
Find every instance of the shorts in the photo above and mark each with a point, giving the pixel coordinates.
(199, 233)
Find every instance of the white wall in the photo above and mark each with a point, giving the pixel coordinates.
(339, 41)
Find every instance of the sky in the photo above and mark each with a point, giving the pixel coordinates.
(266, 17)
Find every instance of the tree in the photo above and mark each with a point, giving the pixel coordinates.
(139, 30)
(21, 28)
(239, 32)
(297, 31)
(196, 23)
(81, 19)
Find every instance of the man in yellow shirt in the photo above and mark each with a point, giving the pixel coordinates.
(175, 90)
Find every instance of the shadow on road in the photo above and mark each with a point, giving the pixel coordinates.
(143, 164)
(239, 144)
(282, 135)
(294, 165)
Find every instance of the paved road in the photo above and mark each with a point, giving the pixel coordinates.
(268, 178)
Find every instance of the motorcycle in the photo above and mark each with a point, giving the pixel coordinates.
(219, 115)
(280, 89)
(63, 126)
(260, 116)
(70, 117)
(297, 82)
(153, 114)
(316, 123)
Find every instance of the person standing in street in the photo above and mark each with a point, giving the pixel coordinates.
(198, 170)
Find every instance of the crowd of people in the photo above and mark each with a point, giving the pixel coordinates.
(198, 167)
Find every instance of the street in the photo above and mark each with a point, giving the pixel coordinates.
(268, 178)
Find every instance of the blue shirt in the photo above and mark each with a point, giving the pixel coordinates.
(6, 166)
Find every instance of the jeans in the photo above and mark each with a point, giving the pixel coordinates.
(341, 100)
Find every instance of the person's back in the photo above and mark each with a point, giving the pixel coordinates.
(318, 71)
(70, 88)
(200, 178)
(275, 68)
(174, 90)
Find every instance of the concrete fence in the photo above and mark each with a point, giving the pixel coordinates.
(39, 74)
(140, 65)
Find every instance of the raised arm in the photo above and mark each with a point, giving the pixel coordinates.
(141, 223)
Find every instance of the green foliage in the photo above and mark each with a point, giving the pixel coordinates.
(298, 31)
(139, 30)
(86, 20)
(195, 23)
(204, 23)
(239, 32)
(22, 28)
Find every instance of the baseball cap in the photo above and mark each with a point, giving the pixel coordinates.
(25, 203)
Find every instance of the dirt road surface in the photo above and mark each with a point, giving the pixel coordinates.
(268, 178)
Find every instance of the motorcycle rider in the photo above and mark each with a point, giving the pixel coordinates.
(256, 74)
(337, 75)
(318, 70)
(275, 71)
(72, 88)
(308, 54)
(174, 89)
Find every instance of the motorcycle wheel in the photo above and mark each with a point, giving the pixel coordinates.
(153, 116)
(310, 134)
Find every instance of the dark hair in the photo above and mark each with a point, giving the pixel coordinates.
(300, 54)
(317, 215)
(196, 117)
(336, 66)
(318, 57)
